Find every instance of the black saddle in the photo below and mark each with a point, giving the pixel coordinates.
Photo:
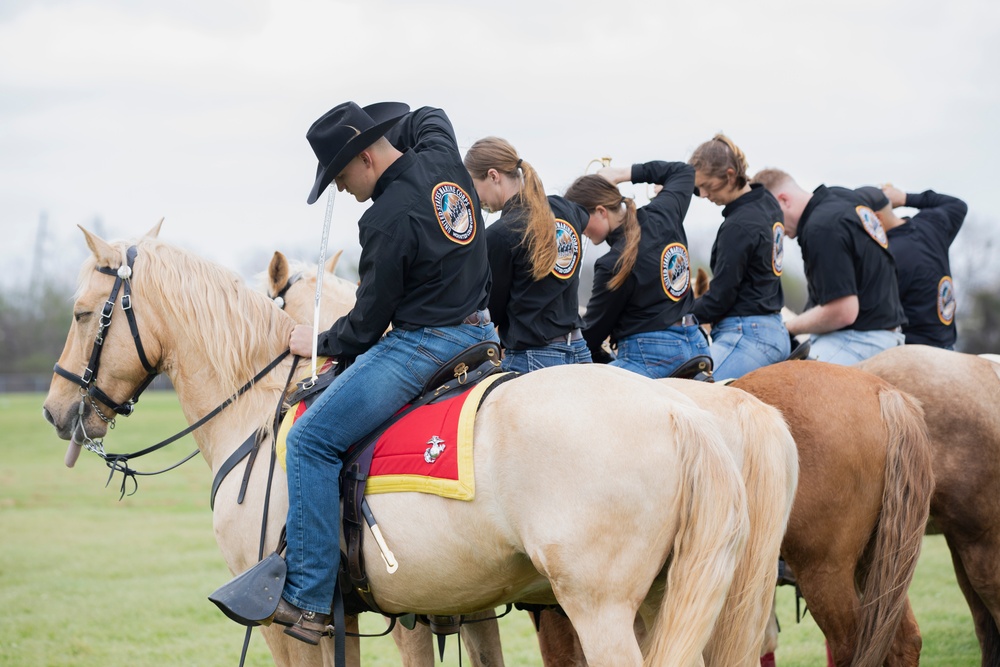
(697, 368)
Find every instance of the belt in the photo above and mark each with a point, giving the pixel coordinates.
(686, 321)
(568, 338)
(478, 318)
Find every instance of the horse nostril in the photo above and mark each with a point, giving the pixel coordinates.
(48, 415)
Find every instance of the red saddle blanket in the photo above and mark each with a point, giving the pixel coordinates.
(429, 450)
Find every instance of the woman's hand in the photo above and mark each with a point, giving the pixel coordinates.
(616, 175)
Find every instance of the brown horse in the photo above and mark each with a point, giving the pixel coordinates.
(961, 400)
(865, 483)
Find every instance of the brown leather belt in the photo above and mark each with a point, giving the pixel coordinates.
(685, 321)
(479, 317)
(568, 338)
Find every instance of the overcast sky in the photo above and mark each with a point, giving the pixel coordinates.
(114, 113)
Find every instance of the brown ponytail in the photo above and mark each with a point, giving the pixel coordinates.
(540, 229)
(717, 155)
(592, 191)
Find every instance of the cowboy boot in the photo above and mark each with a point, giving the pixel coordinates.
(307, 626)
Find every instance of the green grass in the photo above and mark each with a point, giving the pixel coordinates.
(86, 580)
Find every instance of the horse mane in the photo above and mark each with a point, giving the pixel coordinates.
(237, 328)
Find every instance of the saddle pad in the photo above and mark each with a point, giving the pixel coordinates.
(428, 451)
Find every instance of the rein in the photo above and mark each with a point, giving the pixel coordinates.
(89, 390)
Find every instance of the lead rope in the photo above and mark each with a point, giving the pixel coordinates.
(267, 494)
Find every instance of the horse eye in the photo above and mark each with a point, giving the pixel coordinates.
(80, 317)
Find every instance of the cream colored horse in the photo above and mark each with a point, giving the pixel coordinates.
(755, 433)
(629, 503)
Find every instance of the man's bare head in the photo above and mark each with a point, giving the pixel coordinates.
(790, 196)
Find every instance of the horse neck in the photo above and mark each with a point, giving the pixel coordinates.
(205, 375)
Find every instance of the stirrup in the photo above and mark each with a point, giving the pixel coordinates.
(696, 368)
(253, 596)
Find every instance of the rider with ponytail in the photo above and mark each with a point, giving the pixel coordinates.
(642, 295)
(534, 255)
(744, 302)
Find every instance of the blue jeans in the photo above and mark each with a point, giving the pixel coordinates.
(657, 354)
(744, 344)
(371, 390)
(553, 354)
(847, 346)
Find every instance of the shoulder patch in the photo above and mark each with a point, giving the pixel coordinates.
(777, 247)
(872, 225)
(454, 211)
(675, 271)
(946, 301)
(567, 250)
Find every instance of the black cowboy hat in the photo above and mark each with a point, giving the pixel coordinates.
(343, 132)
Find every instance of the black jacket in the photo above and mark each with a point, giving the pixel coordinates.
(423, 247)
(529, 312)
(746, 260)
(658, 291)
(920, 248)
(845, 252)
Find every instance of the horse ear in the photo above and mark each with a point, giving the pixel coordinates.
(102, 250)
(277, 271)
(331, 263)
(701, 282)
(155, 231)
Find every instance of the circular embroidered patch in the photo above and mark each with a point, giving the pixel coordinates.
(777, 247)
(872, 225)
(567, 250)
(454, 211)
(675, 271)
(946, 302)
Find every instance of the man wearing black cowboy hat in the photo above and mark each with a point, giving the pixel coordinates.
(424, 271)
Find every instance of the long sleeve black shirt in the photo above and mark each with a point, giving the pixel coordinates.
(529, 312)
(657, 292)
(423, 249)
(746, 260)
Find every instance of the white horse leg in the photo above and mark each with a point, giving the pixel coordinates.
(481, 639)
(770, 644)
(606, 634)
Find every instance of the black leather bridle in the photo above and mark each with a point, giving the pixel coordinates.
(87, 381)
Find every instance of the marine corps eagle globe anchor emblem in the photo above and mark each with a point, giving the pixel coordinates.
(432, 453)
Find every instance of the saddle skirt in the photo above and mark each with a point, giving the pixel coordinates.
(428, 450)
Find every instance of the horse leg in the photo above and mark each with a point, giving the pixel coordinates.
(770, 644)
(975, 570)
(906, 645)
(830, 592)
(606, 633)
(482, 639)
(558, 641)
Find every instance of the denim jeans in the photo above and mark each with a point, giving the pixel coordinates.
(371, 390)
(744, 344)
(848, 346)
(553, 354)
(657, 354)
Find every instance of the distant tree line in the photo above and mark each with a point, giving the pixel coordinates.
(34, 323)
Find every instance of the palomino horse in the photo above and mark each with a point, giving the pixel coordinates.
(756, 435)
(961, 399)
(592, 506)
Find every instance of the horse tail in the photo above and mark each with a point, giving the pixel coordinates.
(770, 474)
(712, 529)
(891, 556)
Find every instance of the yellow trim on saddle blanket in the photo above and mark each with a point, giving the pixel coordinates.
(463, 488)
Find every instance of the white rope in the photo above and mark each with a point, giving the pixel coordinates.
(320, 272)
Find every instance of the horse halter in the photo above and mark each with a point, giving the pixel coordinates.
(87, 381)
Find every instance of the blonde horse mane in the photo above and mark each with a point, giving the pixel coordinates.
(230, 322)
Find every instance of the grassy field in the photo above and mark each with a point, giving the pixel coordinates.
(86, 580)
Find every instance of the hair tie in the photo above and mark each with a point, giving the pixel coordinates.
(518, 165)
